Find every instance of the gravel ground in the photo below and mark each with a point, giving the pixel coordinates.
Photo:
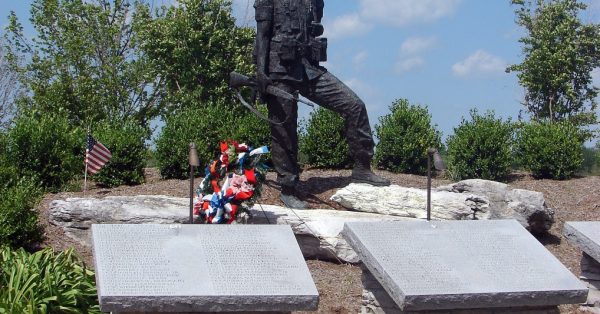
(339, 286)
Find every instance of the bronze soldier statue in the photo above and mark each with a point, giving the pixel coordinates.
(288, 51)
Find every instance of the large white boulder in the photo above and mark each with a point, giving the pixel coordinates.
(527, 207)
(399, 201)
(76, 215)
(469, 199)
(317, 230)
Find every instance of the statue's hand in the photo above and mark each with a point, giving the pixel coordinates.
(317, 29)
(263, 81)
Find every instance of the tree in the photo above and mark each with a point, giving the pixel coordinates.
(84, 59)
(10, 89)
(193, 47)
(560, 52)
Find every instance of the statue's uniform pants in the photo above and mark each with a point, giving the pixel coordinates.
(329, 92)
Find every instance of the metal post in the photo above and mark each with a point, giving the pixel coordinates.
(191, 194)
(429, 185)
(194, 162)
(438, 163)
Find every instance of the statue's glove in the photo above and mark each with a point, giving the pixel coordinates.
(262, 82)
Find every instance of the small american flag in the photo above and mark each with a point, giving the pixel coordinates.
(96, 155)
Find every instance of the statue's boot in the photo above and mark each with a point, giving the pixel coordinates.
(290, 198)
(362, 174)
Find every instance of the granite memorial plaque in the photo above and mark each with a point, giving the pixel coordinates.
(201, 268)
(586, 235)
(462, 265)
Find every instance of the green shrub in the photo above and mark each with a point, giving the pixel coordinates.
(480, 148)
(126, 142)
(205, 126)
(598, 155)
(249, 128)
(404, 136)
(151, 158)
(8, 172)
(322, 141)
(8, 175)
(550, 150)
(588, 165)
(47, 147)
(18, 220)
(45, 282)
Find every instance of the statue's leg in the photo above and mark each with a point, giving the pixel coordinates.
(284, 145)
(328, 91)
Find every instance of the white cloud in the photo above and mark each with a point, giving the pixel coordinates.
(416, 45)
(403, 12)
(360, 58)
(479, 63)
(347, 25)
(596, 77)
(409, 64)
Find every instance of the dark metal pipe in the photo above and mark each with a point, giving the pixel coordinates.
(194, 162)
(191, 194)
(428, 186)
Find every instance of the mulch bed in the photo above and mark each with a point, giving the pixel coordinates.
(339, 286)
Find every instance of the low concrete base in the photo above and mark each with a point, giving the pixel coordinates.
(590, 275)
(202, 312)
(375, 300)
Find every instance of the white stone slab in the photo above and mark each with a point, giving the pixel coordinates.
(200, 268)
(462, 264)
(586, 235)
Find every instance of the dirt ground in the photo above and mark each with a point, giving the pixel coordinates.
(339, 286)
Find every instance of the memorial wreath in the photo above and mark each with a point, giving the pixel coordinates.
(231, 184)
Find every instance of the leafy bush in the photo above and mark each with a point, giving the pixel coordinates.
(205, 126)
(18, 221)
(47, 147)
(8, 172)
(550, 150)
(404, 136)
(323, 142)
(45, 282)
(151, 157)
(589, 163)
(598, 154)
(480, 148)
(126, 142)
(249, 128)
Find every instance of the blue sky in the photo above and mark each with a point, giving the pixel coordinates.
(449, 55)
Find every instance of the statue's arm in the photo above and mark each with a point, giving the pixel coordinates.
(264, 23)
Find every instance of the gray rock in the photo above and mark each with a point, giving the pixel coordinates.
(375, 300)
(585, 235)
(527, 207)
(200, 268)
(76, 215)
(590, 269)
(317, 231)
(448, 265)
(469, 199)
(411, 203)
